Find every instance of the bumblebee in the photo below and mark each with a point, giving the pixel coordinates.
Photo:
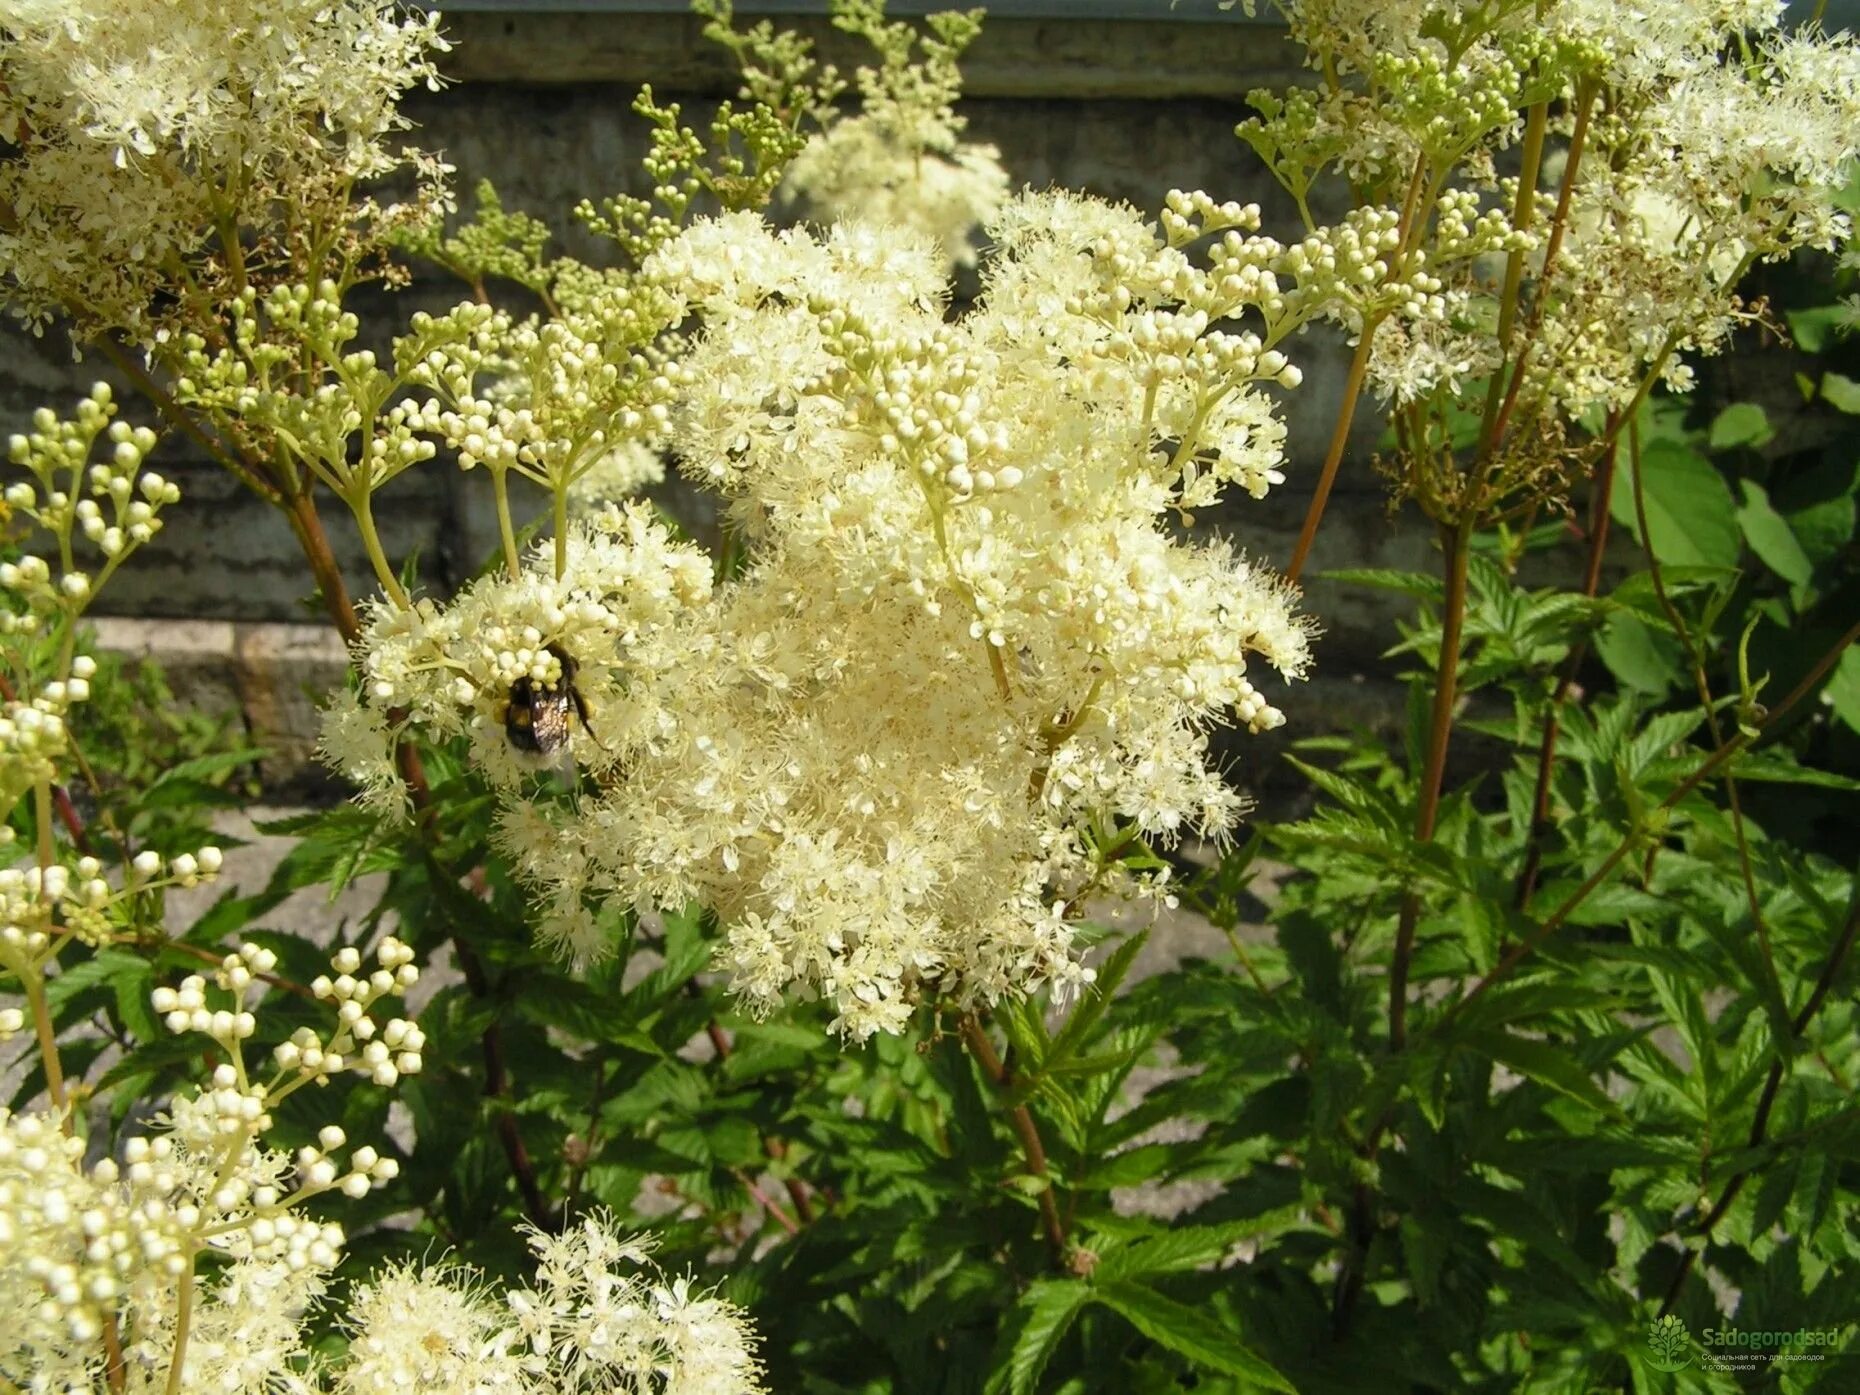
(536, 717)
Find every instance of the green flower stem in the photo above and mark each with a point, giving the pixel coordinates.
(500, 489)
(561, 531)
(1524, 207)
(362, 505)
(32, 984)
(1546, 751)
(183, 1319)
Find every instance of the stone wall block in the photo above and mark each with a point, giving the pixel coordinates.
(284, 674)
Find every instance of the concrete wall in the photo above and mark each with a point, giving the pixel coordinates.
(541, 107)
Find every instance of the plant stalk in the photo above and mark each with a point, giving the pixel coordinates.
(1456, 547)
(1546, 751)
(1333, 457)
(1021, 1119)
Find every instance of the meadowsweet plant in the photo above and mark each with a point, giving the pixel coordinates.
(760, 871)
(954, 492)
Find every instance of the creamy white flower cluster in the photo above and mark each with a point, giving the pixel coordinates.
(600, 1318)
(115, 1246)
(1715, 138)
(902, 160)
(142, 131)
(1738, 148)
(968, 663)
(611, 615)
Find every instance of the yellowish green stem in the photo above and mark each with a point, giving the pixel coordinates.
(362, 504)
(500, 488)
(34, 988)
(561, 532)
(183, 1319)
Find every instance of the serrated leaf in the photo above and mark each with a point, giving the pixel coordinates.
(101, 968)
(1032, 1334)
(1418, 584)
(1546, 1064)
(1189, 1246)
(1772, 768)
(1072, 1037)
(1189, 1332)
(1520, 1002)
(1843, 689)
(1640, 655)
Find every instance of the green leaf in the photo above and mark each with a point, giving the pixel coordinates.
(1188, 1246)
(107, 966)
(1189, 1332)
(1841, 393)
(1092, 1004)
(1547, 1065)
(1515, 1002)
(1843, 688)
(1815, 327)
(1032, 1334)
(1770, 536)
(1639, 655)
(1819, 505)
(1691, 517)
(1740, 424)
(1417, 584)
(1783, 770)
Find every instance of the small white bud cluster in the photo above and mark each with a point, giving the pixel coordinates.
(1189, 214)
(1342, 266)
(525, 655)
(1462, 228)
(367, 1169)
(112, 503)
(567, 391)
(33, 738)
(384, 1053)
(39, 905)
(29, 579)
(1448, 104)
(185, 1009)
(930, 404)
(74, 1239)
(148, 869)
